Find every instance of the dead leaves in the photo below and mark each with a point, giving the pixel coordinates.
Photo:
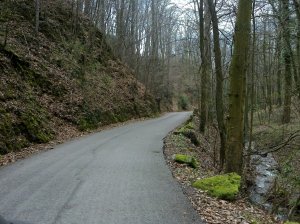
(214, 210)
(211, 210)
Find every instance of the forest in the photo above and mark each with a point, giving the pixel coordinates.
(236, 63)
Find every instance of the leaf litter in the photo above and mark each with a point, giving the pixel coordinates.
(211, 210)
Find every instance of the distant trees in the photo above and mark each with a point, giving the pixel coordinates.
(170, 50)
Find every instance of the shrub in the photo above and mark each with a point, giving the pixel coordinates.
(183, 102)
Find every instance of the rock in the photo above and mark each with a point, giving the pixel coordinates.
(191, 161)
(224, 186)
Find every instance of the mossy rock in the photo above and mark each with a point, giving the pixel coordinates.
(186, 131)
(291, 223)
(224, 186)
(189, 120)
(179, 131)
(192, 136)
(183, 128)
(186, 159)
(189, 126)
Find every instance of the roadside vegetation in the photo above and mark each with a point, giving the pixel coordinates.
(221, 207)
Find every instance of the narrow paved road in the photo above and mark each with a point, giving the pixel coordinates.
(114, 176)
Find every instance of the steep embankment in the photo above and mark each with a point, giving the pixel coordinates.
(66, 74)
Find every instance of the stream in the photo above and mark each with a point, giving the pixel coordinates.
(266, 169)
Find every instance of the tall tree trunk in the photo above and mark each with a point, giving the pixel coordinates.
(284, 20)
(219, 82)
(87, 7)
(37, 15)
(297, 74)
(102, 16)
(238, 67)
(120, 28)
(203, 70)
(286, 116)
(279, 68)
(208, 57)
(252, 83)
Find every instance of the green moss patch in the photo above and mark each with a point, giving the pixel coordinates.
(221, 186)
(192, 136)
(291, 223)
(186, 159)
(189, 126)
(187, 131)
(10, 139)
(34, 125)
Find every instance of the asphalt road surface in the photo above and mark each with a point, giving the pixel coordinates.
(114, 176)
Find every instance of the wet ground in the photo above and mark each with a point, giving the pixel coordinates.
(266, 169)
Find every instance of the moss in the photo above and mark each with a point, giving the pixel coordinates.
(186, 131)
(9, 95)
(37, 80)
(33, 125)
(189, 120)
(15, 58)
(183, 128)
(186, 159)
(192, 136)
(10, 137)
(281, 191)
(221, 186)
(90, 120)
(179, 131)
(291, 223)
(189, 126)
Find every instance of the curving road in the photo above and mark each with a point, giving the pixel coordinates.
(114, 176)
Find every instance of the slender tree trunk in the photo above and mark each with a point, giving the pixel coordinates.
(120, 28)
(236, 93)
(208, 57)
(203, 70)
(286, 116)
(279, 69)
(102, 16)
(252, 83)
(284, 20)
(297, 74)
(219, 82)
(37, 15)
(87, 7)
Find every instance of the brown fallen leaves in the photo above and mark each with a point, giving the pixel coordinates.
(211, 210)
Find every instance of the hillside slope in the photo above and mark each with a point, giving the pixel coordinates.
(65, 74)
